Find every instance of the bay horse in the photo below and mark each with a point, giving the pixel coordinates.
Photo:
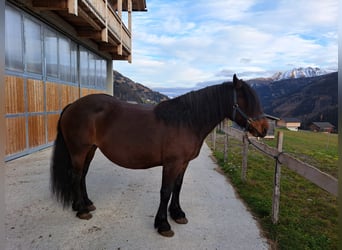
(135, 136)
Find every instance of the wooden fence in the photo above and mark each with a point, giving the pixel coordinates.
(314, 175)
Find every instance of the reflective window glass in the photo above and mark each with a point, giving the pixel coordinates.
(50, 40)
(33, 46)
(13, 40)
(64, 55)
(84, 66)
(73, 62)
(92, 69)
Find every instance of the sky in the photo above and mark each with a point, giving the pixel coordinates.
(185, 42)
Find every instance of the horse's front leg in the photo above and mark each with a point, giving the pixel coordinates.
(176, 212)
(170, 173)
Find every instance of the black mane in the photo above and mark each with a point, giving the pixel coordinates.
(254, 107)
(197, 108)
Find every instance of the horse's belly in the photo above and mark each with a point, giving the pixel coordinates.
(133, 157)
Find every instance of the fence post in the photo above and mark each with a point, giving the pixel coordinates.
(276, 184)
(213, 139)
(244, 158)
(225, 149)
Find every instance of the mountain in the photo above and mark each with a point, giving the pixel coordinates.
(127, 90)
(290, 74)
(309, 99)
(298, 73)
(174, 91)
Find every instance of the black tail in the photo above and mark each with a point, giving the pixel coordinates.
(61, 169)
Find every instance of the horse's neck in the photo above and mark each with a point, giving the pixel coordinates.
(205, 130)
(222, 104)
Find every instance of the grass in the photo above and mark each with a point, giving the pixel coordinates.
(308, 216)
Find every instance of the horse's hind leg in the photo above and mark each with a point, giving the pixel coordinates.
(79, 204)
(176, 212)
(88, 203)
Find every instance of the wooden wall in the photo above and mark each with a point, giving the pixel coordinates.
(15, 115)
(32, 109)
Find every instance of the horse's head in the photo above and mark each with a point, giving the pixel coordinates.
(247, 111)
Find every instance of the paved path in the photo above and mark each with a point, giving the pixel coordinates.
(126, 202)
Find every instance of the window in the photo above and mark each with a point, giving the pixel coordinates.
(92, 69)
(33, 46)
(83, 66)
(13, 40)
(101, 73)
(50, 40)
(64, 55)
(73, 65)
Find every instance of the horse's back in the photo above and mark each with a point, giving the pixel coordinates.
(118, 128)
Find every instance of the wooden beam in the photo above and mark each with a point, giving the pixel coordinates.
(311, 173)
(130, 28)
(104, 35)
(105, 30)
(96, 35)
(119, 6)
(121, 28)
(73, 7)
(88, 19)
(120, 58)
(316, 176)
(50, 4)
(2, 127)
(93, 34)
(276, 180)
(130, 16)
(107, 48)
(120, 49)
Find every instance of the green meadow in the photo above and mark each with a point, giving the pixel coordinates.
(308, 217)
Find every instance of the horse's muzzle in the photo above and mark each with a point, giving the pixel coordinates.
(258, 128)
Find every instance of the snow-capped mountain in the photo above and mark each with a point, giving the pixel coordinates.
(299, 73)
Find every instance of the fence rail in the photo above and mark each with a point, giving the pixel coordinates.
(314, 175)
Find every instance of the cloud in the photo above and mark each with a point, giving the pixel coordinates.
(181, 43)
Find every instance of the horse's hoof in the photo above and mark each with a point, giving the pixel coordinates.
(181, 220)
(84, 216)
(91, 208)
(168, 233)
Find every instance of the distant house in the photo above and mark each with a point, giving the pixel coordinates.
(322, 127)
(290, 123)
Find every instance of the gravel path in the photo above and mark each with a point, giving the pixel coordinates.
(126, 201)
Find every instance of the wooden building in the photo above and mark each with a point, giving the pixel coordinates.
(272, 120)
(290, 123)
(57, 51)
(325, 127)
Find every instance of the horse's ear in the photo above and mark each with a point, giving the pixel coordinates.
(236, 82)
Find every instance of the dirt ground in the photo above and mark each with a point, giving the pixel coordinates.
(126, 201)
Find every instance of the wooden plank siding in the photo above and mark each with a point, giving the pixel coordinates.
(86, 91)
(36, 131)
(32, 109)
(15, 107)
(52, 101)
(52, 120)
(35, 95)
(14, 95)
(69, 94)
(15, 135)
